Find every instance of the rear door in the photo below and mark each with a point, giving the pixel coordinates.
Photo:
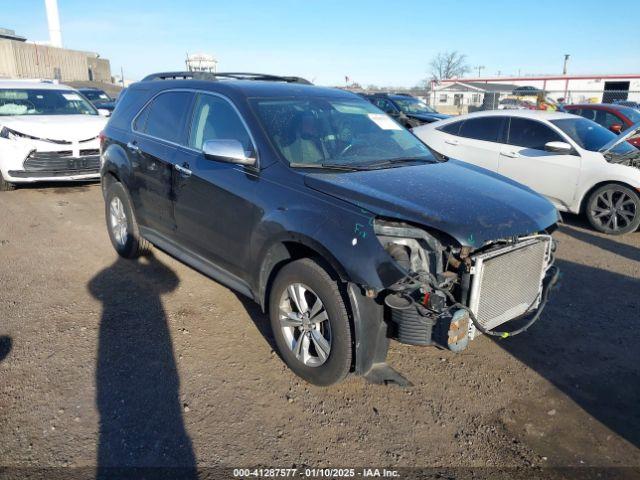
(157, 131)
(525, 160)
(479, 141)
(216, 207)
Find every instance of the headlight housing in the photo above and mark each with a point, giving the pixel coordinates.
(9, 134)
(412, 248)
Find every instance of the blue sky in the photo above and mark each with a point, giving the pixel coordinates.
(373, 42)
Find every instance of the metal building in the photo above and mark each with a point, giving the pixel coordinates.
(21, 59)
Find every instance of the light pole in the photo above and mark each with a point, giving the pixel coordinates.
(480, 68)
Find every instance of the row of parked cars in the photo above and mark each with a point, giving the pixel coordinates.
(346, 228)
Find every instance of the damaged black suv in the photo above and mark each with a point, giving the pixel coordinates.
(339, 222)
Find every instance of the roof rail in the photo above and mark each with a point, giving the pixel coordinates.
(223, 75)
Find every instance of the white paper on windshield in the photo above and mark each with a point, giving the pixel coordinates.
(71, 96)
(384, 122)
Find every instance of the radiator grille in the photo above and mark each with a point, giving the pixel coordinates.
(63, 162)
(508, 282)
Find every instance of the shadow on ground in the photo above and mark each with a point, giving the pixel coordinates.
(5, 346)
(605, 242)
(586, 345)
(141, 422)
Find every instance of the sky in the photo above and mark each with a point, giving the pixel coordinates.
(386, 43)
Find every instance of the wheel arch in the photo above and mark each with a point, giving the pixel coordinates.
(585, 197)
(286, 250)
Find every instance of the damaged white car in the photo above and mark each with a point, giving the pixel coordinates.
(48, 132)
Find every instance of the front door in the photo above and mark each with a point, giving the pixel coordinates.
(525, 160)
(216, 202)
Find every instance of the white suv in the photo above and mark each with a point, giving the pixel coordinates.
(577, 164)
(48, 132)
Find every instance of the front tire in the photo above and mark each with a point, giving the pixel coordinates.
(122, 225)
(310, 323)
(614, 209)
(4, 185)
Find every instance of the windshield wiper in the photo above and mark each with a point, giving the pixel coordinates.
(394, 161)
(329, 166)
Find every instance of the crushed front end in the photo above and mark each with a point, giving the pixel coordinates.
(450, 294)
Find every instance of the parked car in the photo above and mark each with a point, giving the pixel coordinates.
(99, 98)
(322, 209)
(407, 110)
(526, 91)
(627, 103)
(617, 118)
(515, 104)
(48, 132)
(576, 163)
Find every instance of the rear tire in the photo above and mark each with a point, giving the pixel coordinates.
(614, 209)
(122, 225)
(315, 338)
(4, 185)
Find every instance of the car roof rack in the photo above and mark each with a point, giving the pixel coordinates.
(222, 76)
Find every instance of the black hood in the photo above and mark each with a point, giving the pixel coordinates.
(469, 203)
(428, 117)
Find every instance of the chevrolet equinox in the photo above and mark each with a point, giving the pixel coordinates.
(343, 226)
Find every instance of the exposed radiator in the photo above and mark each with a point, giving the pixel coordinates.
(507, 282)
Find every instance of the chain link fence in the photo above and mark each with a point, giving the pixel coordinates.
(470, 99)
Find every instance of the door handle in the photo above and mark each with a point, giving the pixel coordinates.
(451, 142)
(510, 154)
(133, 147)
(184, 171)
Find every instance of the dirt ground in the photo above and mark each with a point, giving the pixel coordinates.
(112, 363)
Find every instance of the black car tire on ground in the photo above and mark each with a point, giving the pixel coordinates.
(602, 205)
(309, 273)
(4, 185)
(132, 245)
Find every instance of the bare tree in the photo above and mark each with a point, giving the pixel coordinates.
(448, 65)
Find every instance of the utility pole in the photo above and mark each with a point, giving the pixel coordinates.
(566, 61)
(480, 68)
(122, 76)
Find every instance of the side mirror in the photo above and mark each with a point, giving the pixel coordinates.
(103, 112)
(558, 147)
(230, 151)
(616, 128)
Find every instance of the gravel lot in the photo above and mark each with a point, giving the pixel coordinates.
(110, 362)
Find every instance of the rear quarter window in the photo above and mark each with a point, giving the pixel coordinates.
(453, 128)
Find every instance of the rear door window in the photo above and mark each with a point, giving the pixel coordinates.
(531, 134)
(165, 116)
(484, 128)
(452, 128)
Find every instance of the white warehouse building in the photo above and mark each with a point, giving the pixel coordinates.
(470, 92)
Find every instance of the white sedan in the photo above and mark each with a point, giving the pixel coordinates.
(48, 132)
(577, 164)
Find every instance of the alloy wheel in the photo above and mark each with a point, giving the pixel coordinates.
(118, 220)
(305, 325)
(613, 210)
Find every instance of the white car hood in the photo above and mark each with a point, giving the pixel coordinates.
(631, 131)
(56, 127)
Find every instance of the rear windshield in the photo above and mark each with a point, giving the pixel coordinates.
(589, 135)
(96, 95)
(337, 131)
(43, 102)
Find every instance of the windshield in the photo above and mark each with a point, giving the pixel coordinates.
(96, 95)
(345, 132)
(43, 102)
(413, 105)
(589, 135)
